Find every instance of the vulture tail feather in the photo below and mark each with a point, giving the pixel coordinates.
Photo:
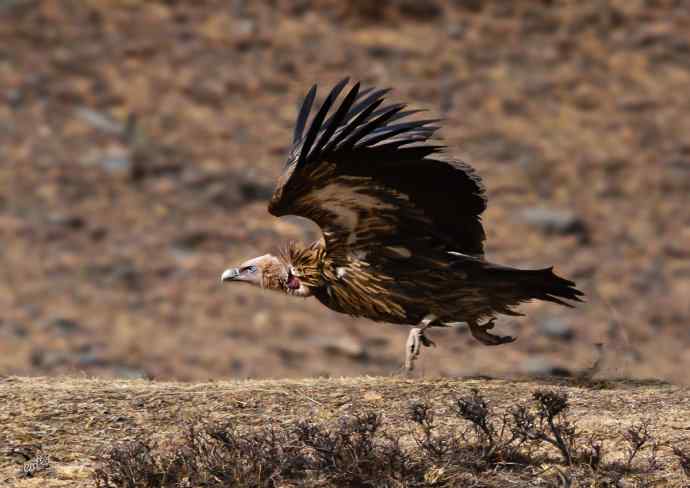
(540, 284)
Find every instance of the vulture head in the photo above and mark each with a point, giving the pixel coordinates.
(269, 272)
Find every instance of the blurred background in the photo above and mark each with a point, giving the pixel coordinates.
(140, 142)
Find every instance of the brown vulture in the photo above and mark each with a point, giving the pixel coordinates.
(402, 234)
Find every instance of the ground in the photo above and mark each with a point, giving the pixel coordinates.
(140, 142)
(75, 421)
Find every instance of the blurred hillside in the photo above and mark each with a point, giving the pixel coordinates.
(140, 141)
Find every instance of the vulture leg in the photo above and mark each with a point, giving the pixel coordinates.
(480, 333)
(416, 340)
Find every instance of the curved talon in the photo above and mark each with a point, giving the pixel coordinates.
(480, 333)
(489, 324)
(426, 341)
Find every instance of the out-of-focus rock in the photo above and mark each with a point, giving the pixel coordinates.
(376, 341)
(426, 10)
(12, 329)
(130, 373)
(114, 159)
(555, 221)
(539, 366)
(115, 273)
(557, 328)
(344, 346)
(116, 162)
(74, 222)
(91, 359)
(234, 190)
(191, 240)
(64, 326)
(100, 121)
(14, 97)
(44, 359)
(253, 190)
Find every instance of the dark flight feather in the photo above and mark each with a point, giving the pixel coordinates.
(369, 127)
(304, 114)
(318, 120)
(334, 122)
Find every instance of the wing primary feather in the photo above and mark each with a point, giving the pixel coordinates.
(335, 120)
(315, 126)
(400, 135)
(353, 111)
(304, 114)
(369, 126)
(412, 126)
(404, 113)
(364, 104)
(351, 125)
(364, 92)
(409, 153)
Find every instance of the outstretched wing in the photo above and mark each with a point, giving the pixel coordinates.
(375, 182)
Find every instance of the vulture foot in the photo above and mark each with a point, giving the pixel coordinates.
(415, 341)
(480, 333)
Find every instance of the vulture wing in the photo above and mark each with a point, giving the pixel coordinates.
(375, 183)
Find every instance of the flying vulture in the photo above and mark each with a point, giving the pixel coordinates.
(402, 234)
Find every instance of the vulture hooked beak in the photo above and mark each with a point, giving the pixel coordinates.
(231, 274)
(248, 272)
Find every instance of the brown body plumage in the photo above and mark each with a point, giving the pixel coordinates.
(402, 234)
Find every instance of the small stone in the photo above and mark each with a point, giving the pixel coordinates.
(557, 328)
(74, 222)
(91, 359)
(457, 31)
(131, 373)
(191, 240)
(14, 97)
(49, 359)
(380, 52)
(115, 159)
(116, 163)
(553, 221)
(537, 366)
(64, 326)
(376, 341)
(426, 10)
(344, 346)
(100, 121)
(126, 273)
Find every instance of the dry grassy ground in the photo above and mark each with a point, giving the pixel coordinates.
(75, 421)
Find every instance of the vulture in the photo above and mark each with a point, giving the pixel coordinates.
(402, 237)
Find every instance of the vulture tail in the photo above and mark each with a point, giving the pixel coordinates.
(540, 284)
(509, 286)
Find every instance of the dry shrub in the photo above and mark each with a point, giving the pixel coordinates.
(358, 450)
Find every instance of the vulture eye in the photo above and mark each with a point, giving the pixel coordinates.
(251, 269)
